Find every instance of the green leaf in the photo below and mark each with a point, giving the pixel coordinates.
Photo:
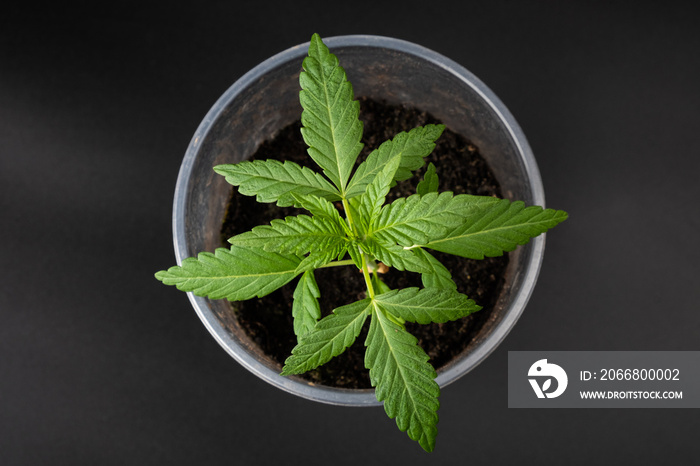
(412, 147)
(361, 221)
(426, 305)
(305, 307)
(499, 228)
(396, 256)
(372, 200)
(439, 276)
(273, 181)
(379, 286)
(236, 274)
(416, 220)
(429, 183)
(319, 207)
(355, 253)
(403, 378)
(320, 258)
(329, 338)
(294, 235)
(331, 127)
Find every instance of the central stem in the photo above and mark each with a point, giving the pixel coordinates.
(365, 272)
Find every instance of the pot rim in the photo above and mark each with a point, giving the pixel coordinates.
(363, 397)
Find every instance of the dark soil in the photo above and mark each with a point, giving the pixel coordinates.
(268, 321)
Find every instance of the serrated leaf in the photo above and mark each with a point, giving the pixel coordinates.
(360, 220)
(499, 228)
(429, 183)
(319, 207)
(294, 235)
(273, 181)
(416, 220)
(320, 258)
(439, 276)
(355, 253)
(329, 338)
(305, 308)
(396, 256)
(236, 274)
(426, 305)
(372, 200)
(331, 127)
(412, 147)
(403, 378)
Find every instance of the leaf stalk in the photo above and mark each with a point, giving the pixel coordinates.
(337, 264)
(348, 215)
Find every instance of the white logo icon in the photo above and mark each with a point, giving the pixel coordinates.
(544, 369)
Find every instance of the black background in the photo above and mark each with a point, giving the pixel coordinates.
(101, 364)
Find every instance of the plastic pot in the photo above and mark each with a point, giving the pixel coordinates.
(266, 99)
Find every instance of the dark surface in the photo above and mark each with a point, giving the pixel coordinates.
(101, 364)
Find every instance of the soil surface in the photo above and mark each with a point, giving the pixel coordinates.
(460, 168)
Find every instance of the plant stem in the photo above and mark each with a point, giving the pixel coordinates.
(348, 215)
(368, 279)
(337, 263)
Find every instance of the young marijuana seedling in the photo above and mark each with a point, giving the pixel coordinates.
(363, 234)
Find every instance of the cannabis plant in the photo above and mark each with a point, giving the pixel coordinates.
(362, 234)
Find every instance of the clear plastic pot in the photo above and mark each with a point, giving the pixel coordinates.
(266, 99)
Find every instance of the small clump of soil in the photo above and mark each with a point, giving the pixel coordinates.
(460, 168)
